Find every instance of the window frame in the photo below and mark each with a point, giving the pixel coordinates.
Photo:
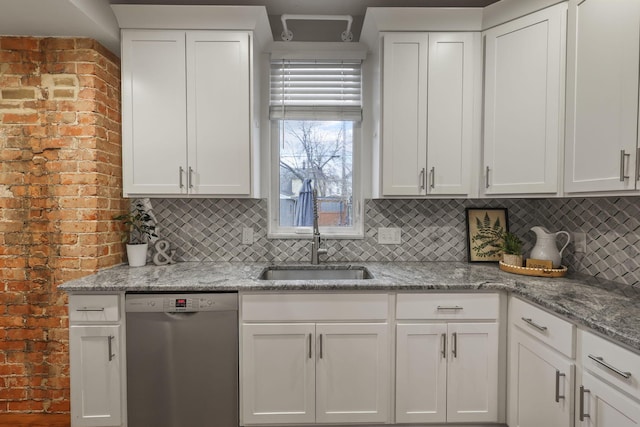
(276, 231)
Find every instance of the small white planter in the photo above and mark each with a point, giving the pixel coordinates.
(137, 254)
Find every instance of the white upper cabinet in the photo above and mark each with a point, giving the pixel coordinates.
(427, 94)
(154, 123)
(524, 75)
(219, 112)
(187, 112)
(603, 43)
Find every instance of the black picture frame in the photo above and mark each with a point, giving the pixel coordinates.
(485, 228)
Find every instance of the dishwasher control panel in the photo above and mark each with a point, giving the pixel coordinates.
(181, 303)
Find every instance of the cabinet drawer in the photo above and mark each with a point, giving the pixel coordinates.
(314, 307)
(448, 306)
(611, 362)
(94, 308)
(550, 329)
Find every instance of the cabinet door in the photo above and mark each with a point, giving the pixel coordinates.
(352, 373)
(278, 373)
(404, 114)
(524, 66)
(604, 406)
(450, 109)
(421, 373)
(95, 363)
(602, 95)
(541, 384)
(219, 112)
(472, 381)
(154, 124)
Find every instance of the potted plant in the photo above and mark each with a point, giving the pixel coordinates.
(511, 248)
(140, 229)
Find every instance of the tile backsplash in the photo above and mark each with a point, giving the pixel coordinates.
(432, 230)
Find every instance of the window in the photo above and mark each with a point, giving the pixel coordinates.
(315, 109)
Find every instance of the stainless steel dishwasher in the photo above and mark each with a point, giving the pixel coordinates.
(182, 360)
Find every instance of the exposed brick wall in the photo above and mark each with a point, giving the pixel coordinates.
(60, 184)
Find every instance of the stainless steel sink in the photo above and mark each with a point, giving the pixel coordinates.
(322, 272)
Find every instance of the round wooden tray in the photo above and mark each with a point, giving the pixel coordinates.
(540, 272)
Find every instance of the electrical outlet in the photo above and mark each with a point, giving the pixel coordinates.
(580, 242)
(389, 235)
(247, 236)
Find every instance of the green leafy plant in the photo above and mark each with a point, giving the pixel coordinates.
(511, 244)
(488, 239)
(139, 225)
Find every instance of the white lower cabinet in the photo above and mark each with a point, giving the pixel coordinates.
(601, 405)
(314, 371)
(447, 368)
(352, 373)
(96, 361)
(541, 368)
(278, 373)
(446, 372)
(95, 375)
(540, 383)
(608, 389)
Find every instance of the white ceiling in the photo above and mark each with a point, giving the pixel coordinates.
(95, 19)
(319, 7)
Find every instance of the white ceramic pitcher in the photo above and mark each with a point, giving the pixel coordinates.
(546, 248)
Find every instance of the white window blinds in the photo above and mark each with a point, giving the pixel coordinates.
(316, 90)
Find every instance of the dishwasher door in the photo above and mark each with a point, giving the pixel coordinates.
(182, 367)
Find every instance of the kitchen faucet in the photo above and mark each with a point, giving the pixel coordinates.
(316, 251)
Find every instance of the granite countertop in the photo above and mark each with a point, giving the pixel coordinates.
(603, 306)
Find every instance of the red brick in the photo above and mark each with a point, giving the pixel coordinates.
(19, 43)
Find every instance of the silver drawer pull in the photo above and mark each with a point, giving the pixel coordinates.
(449, 307)
(454, 344)
(534, 324)
(623, 158)
(558, 395)
(600, 360)
(90, 309)
(444, 346)
(110, 339)
(581, 413)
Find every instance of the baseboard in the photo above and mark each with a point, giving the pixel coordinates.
(35, 420)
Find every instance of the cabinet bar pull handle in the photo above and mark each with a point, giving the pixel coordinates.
(310, 355)
(421, 178)
(581, 414)
(534, 324)
(110, 339)
(190, 180)
(486, 183)
(444, 346)
(320, 346)
(432, 177)
(454, 344)
(600, 360)
(181, 171)
(449, 307)
(558, 396)
(623, 155)
(90, 309)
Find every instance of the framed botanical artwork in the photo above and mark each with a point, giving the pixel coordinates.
(485, 228)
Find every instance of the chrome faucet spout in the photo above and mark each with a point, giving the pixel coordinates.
(316, 251)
